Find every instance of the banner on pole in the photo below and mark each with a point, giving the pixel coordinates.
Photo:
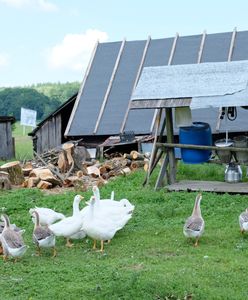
(28, 117)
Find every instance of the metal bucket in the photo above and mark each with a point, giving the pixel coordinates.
(225, 156)
(233, 173)
(241, 142)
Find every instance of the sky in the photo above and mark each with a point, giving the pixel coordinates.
(52, 40)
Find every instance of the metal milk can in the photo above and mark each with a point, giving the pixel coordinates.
(233, 173)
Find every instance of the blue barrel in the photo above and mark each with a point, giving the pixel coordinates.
(197, 134)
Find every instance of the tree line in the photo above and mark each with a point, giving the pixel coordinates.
(44, 98)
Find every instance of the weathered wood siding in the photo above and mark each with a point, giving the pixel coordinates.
(49, 135)
(6, 141)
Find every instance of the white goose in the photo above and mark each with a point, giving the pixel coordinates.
(43, 236)
(243, 221)
(12, 241)
(194, 225)
(98, 227)
(116, 212)
(47, 216)
(123, 206)
(69, 226)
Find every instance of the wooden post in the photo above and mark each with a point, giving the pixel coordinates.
(170, 139)
(154, 148)
(163, 171)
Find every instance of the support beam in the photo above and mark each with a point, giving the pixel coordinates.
(165, 146)
(170, 139)
(163, 171)
(201, 46)
(232, 45)
(154, 148)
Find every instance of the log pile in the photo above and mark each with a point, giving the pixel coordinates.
(71, 166)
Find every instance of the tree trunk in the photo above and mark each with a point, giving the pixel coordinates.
(4, 181)
(15, 172)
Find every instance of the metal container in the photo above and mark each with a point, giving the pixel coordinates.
(225, 156)
(233, 173)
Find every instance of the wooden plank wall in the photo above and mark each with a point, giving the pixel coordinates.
(6, 141)
(49, 135)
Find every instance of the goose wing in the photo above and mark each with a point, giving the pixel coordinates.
(194, 224)
(41, 233)
(12, 238)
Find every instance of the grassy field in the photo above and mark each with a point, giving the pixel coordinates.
(23, 142)
(149, 259)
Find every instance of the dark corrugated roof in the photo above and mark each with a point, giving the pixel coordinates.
(89, 102)
(7, 119)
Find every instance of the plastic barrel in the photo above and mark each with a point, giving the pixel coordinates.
(197, 134)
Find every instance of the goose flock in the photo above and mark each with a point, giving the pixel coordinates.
(100, 219)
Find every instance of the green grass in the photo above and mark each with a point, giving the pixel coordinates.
(23, 142)
(149, 259)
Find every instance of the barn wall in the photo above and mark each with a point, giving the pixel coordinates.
(6, 141)
(49, 135)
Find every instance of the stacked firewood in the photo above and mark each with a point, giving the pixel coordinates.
(70, 166)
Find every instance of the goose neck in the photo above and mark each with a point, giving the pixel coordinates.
(76, 209)
(197, 207)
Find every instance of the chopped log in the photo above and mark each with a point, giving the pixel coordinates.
(128, 162)
(146, 166)
(137, 156)
(80, 174)
(68, 147)
(105, 176)
(44, 174)
(127, 156)
(80, 155)
(44, 185)
(32, 182)
(27, 168)
(62, 162)
(93, 171)
(102, 170)
(25, 183)
(15, 172)
(126, 171)
(76, 182)
(115, 172)
(137, 164)
(26, 171)
(70, 181)
(52, 169)
(4, 181)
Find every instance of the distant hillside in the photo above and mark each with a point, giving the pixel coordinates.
(43, 97)
(12, 99)
(57, 91)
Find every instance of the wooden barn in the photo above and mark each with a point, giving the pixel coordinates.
(50, 132)
(7, 145)
(102, 106)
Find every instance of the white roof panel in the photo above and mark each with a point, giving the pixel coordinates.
(191, 81)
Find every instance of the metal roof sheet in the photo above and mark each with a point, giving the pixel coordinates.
(194, 80)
